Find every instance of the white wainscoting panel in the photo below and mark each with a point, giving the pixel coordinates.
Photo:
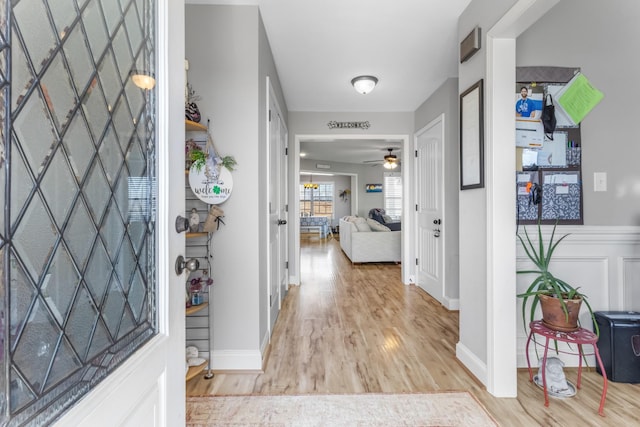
(603, 261)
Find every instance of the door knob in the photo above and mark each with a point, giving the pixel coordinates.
(190, 264)
(282, 221)
(436, 232)
(182, 224)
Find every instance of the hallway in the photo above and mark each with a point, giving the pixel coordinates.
(358, 329)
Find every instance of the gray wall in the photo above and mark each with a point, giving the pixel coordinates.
(445, 101)
(229, 58)
(473, 203)
(601, 38)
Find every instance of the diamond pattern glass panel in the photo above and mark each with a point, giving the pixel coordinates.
(34, 132)
(112, 14)
(80, 326)
(98, 273)
(96, 192)
(79, 59)
(79, 146)
(58, 92)
(63, 13)
(110, 155)
(34, 238)
(58, 187)
(94, 27)
(36, 346)
(110, 79)
(80, 234)
(30, 16)
(81, 276)
(59, 286)
(20, 74)
(95, 108)
(19, 174)
(123, 55)
(124, 124)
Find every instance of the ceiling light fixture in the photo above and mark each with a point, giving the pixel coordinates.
(390, 160)
(143, 79)
(364, 84)
(390, 165)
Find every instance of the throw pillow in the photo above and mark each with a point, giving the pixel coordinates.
(387, 218)
(361, 224)
(376, 226)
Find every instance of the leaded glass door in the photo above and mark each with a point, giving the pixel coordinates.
(85, 292)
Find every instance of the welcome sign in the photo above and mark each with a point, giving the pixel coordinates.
(212, 187)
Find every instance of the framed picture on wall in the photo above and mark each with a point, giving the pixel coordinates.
(472, 138)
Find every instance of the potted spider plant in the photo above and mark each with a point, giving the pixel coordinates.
(559, 301)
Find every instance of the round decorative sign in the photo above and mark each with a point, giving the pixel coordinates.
(211, 186)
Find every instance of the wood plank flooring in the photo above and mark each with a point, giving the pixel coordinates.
(358, 329)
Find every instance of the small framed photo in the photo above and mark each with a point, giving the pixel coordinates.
(472, 138)
(373, 188)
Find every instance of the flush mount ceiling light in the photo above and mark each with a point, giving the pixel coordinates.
(364, 84)
(143, 79)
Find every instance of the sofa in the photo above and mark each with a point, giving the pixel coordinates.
(380, 215)
(361, 245)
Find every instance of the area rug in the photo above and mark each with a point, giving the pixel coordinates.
(335, 410)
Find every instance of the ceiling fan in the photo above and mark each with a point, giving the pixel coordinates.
(390, 161)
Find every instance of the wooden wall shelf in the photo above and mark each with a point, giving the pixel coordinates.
(190, 126)
(195, 235)
(195, 370)
(195, 308)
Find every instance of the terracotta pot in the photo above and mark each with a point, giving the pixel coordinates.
(554, 317)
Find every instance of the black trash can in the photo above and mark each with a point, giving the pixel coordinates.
(619, 345)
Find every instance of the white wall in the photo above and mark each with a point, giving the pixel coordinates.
(603, 261)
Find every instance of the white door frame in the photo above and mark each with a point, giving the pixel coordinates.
(149, 388)
(407, 203)
(501, 370)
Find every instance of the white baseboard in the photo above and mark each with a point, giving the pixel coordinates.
(236, 360)
(476, 366)
(452, 303)
(294, 280)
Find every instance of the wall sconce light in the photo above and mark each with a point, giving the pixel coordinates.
(364, 84)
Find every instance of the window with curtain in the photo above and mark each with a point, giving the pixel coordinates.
(393, 194)
(317, 201)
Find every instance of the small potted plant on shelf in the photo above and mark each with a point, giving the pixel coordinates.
(559, 301)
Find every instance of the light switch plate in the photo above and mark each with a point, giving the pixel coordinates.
(599, 181)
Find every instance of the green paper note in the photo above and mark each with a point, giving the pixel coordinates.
(579, 98)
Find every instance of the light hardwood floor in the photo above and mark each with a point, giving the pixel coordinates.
(358, 329)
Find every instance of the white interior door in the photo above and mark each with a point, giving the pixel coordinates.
(148, 389)
(277, 211)
(283, 230)
(430, 209)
